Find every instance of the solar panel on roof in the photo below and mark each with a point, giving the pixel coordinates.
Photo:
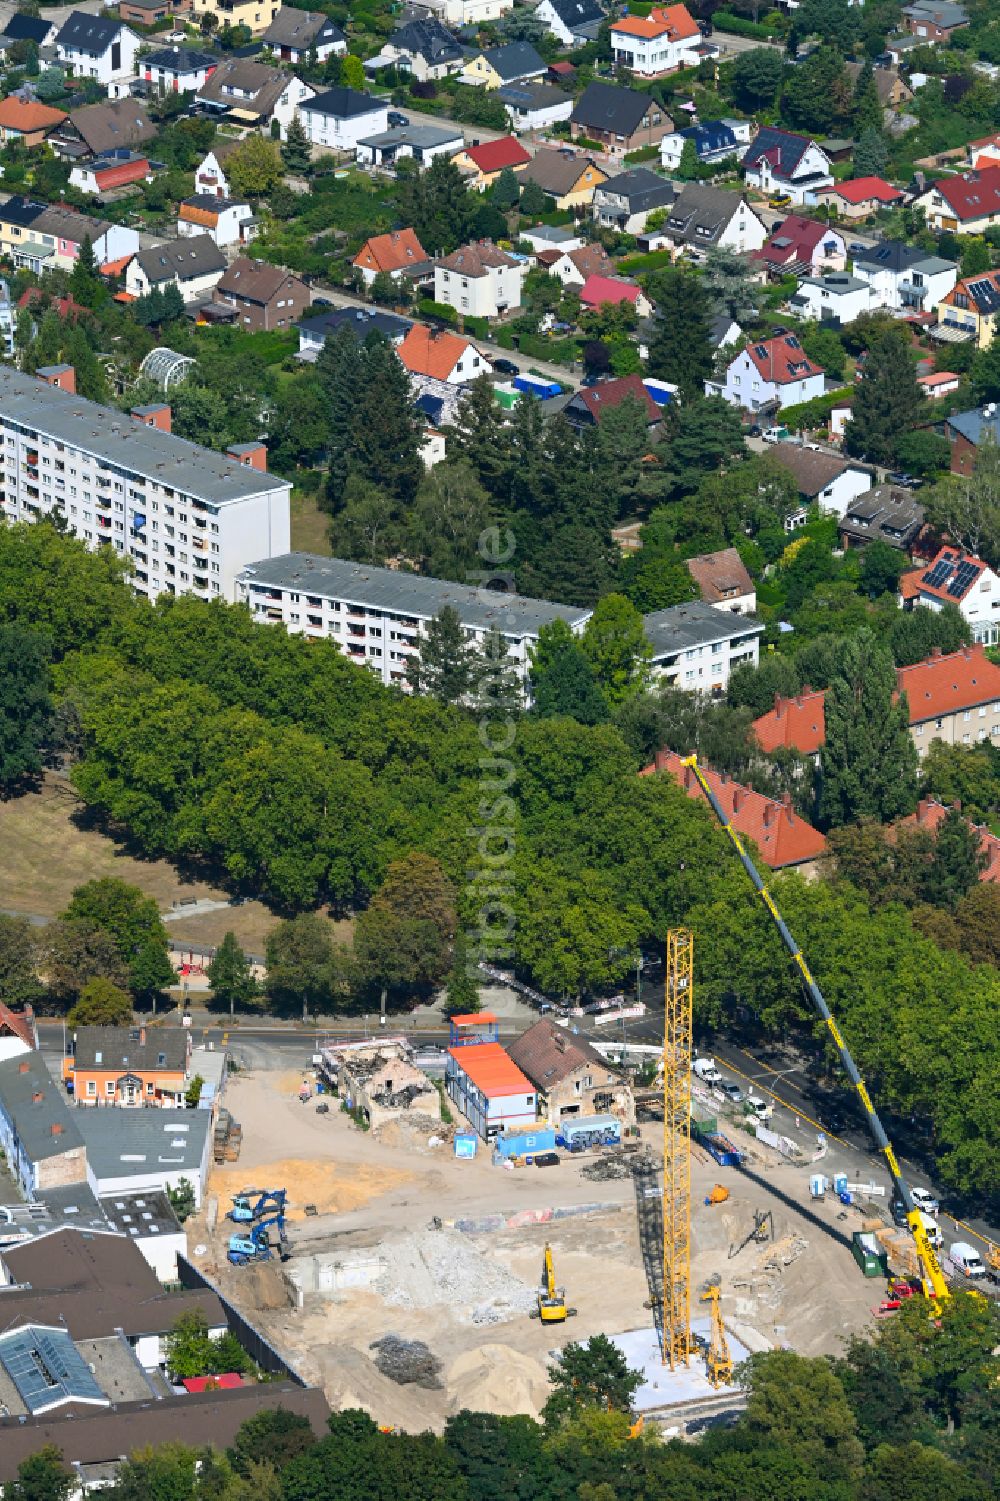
(760, 350)
(937, 575)
(883, 254)
(792, 342)
(47, 1369)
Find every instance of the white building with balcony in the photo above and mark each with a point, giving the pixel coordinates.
(378, 616)
(188, 518)
(903, 277)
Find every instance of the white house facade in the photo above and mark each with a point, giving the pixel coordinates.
(342, 117)
(96, 47)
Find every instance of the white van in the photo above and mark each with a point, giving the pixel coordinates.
(966, 1259)
(705, 1069)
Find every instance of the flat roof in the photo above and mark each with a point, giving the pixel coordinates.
(491, 1070)
(413, 135)
(679, 627)
(119, 439)
(407, 593)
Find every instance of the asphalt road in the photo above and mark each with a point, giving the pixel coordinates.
(552, 371)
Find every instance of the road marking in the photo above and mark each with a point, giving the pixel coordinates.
(799, 1114)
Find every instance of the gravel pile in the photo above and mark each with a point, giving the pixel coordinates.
(408, 1362)
(436, 1268)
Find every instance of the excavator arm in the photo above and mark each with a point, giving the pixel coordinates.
(935, 1285)
(549, 1275)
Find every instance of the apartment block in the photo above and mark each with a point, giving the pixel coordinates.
(378, 616)
(188, 518)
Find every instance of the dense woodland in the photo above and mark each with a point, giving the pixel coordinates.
(907, 1414)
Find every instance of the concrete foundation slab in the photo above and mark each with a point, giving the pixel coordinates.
(662, 1387)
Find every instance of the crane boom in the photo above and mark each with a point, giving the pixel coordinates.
(933, 1278)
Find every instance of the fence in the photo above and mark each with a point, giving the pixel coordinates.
(256, 1345)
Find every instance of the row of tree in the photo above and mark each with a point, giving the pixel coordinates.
(908, 1413)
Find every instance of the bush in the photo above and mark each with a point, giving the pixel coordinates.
(644, 154)
(428, 308)
(724, 20)
(813, 413)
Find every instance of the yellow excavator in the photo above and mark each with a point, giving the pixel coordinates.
(551, 1299)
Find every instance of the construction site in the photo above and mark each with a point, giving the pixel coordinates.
(412, 1273)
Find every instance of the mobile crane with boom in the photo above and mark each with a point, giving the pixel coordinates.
(935, 1285)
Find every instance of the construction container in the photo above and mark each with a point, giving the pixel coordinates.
(521, 1143)
(582, 1132)
(466, 1143)
(534, 385)
(869, 1254)
(506, 396)
(725, 1152)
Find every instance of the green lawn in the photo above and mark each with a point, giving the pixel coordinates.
(310, 525)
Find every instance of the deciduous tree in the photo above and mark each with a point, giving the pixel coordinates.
(133, 920)
(101, 1004)
(19, 982)
(616, 648)
(26, 708)
(254, 167)
(562, 678)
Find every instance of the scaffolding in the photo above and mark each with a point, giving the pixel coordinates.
(676, 1338)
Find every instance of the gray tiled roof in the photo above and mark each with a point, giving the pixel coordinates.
(30, 1098)
(408, 593)
(184, 260)
(133, 1143)
(131, 1047)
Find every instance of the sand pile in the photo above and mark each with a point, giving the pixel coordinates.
(497, 1378)
(331, 1186)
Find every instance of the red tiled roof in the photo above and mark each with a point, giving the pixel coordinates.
(802, 237)
(427, 351)
(16, 114)
(937, 686)
(973, 195)
(597, 290)
(490, 1069)
(119, 173)
(493, 156)
(611, 393)
(720, 575)
(391, 252)
(861, 189)
(797, 723)
(671, 21)
(781, 835)
(931, 814)
(18, 1023)
(914, 584)
(113, 268)
(64, 306)
(776, 358)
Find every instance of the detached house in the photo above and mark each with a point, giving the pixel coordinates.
(891, 88)
(625, 202)
(933, 21)
(97, 128)
(227, 222)
(801, 247)
(600, 291)
(572, 22)
(534, 106)
(704, 217)
(192, 265)
(253, 94)
(97, 47)
(837, 298)
(861, 197)
(483, 164)
(264, 297)
(714, 141)
(177, 70)
(425, 49)
(397, 254)
(967, 204)
(971, 308)
(723, 581)
(622, 120)
(665, 40)
(903, 277)
(588, 406)
(778, 161)
(295, 34)
(479, 280)
(441, 356)
(573, 267)
(823, 479)
(27, 122)
(515, 62)
(570, 1076)
(783, 837)
(966, 432)
(886, 513)
(957, 578)
(776, 371)
(571, 180)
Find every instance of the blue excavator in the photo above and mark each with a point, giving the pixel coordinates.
(256, 1246)
(252, 1203)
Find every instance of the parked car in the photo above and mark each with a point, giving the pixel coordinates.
(967, 1259)
(705, 1069)
(705, 27)
(900, 477)
(779, 200)
(931, 1228)
(926, 1201)
(506, 367)
(761, 1110)
(856, 247)
(731, 1090)
(395, 118)
(774, 434)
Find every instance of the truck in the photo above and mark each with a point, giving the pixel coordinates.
(706, 1070)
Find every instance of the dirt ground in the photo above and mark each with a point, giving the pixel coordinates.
(466, 1295)
(48, 852)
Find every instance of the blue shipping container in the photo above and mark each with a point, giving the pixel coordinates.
(532, 386)
(466, 1143)
(520, 1143)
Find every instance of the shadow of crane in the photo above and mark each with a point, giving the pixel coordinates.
(648, 1186)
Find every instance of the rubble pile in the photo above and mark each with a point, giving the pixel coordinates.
(408, 1362)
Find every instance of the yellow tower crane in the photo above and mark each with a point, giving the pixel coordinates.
(934, 1284)
(677, 1149)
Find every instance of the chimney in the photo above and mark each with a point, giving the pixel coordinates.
(737, 799)
(63, 376)
(142, 1037)
(778, 703)
(661, 759)
(254, 455)
(770, 812)
(786, 806)
(37, 1097)
(957, 805)
(935, 653)
(23, 1066)
(56, 1128)
(158, 415)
